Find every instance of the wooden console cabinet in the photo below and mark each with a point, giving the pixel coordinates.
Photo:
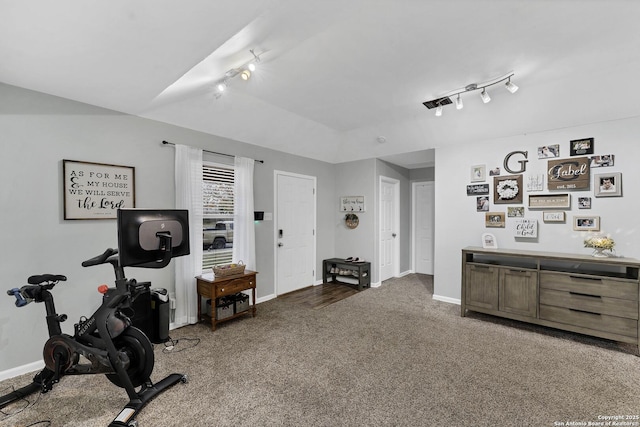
(577, 293)
(223, 286)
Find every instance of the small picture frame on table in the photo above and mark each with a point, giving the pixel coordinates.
(489, 241)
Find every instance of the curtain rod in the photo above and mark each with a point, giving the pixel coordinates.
(212, 152)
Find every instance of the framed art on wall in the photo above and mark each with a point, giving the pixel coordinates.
(96, 190)
(586, 223)
(549, 201)
(553, 216)
(581, 146)
(507, 189)
(494, 219)
(478, 173)
(608, 185)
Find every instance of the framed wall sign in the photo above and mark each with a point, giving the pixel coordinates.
(608, 185)
(549, 201)
(526, 228)
(507, 189)
(568, 174)
(553, 216)
(96, 190)
(489, 241)
(477, 189)
(352, 204)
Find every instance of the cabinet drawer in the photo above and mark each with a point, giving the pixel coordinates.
(584, 319)
(595, 304)
(233, 287)
(590, 285)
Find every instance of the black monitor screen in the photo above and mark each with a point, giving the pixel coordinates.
(141, 233)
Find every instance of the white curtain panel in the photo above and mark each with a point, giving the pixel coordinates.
(188, 180)
(244, 236)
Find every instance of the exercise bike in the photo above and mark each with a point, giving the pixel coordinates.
(106, 342)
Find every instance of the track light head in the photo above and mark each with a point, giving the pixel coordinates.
(245, 75)
(510, 86)
(485, 96)
(251, 67)
(439, 110)
(221, 87)
(459, 104)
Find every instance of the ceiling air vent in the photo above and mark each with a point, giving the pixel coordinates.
(435, 102)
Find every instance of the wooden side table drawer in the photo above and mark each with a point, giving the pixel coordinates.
(592, 285)
(594, 304)
(233, 287)
(595, 321)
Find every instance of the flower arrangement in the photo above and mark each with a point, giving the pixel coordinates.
(507, 189)
(599, 241)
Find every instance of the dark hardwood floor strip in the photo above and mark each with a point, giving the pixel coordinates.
(319, 296)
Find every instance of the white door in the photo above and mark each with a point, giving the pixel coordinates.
(389, 228)
(423, 213)
(295, 231)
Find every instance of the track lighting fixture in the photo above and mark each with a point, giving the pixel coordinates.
(510, 86)
(459, 103)
(244, 71)
(485, 96)
(438, 103)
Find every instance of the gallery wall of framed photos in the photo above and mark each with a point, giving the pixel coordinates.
(555, 185)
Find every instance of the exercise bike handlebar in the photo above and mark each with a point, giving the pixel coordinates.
(100, 259)
(20, 300)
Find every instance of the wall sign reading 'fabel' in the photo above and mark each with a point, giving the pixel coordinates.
(569, 174)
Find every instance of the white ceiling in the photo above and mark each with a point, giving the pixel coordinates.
(334, 75)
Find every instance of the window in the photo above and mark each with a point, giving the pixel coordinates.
(217, 203)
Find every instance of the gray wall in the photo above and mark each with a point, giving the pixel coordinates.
(38, 132)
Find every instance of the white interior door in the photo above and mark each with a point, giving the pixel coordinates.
(389, 228)
(295, 231)
(423, 214)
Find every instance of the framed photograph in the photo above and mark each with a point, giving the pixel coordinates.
(608, 185)
(515, 211)
(569, 174)
(580, 147)
(507, 189)
(495, 171)
(482, 203)
(584, 202)
(489, 241)
(352, 204)
(553, 216)
(494, 219)
(586, 223)
(478, 173)
(549, 201)
(547, 151)
(476, 189)
(602, 161)
(525, 228)
(96, 190)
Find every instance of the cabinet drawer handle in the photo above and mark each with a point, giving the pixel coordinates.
(511, 270)
(586, 312)
(481, 267)
(586, 278)
(585, 295)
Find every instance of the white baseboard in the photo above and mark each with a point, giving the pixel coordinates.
(446, 299)
(376, 284)
(19, 370)
(265, 298)
(406, 273)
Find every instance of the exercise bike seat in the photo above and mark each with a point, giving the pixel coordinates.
(42, 278)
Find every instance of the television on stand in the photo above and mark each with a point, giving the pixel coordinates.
(149, 238)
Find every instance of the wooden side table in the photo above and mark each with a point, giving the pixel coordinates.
(223, 286)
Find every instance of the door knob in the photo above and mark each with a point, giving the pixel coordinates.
(279, 245)
(393, 235)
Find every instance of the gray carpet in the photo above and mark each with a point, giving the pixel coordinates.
(388, 356)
